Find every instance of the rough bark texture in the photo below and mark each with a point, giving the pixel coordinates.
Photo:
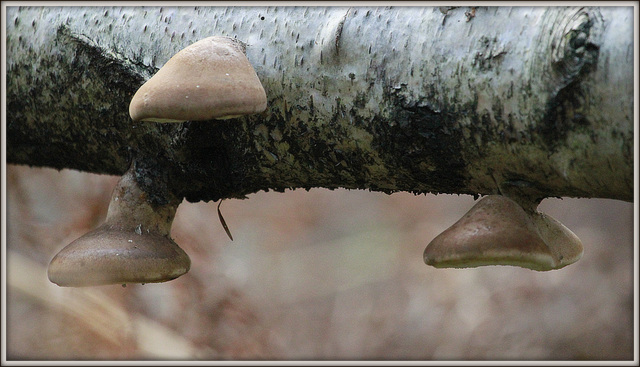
(419, 99)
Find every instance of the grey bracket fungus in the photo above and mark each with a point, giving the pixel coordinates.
(132, 246)
(498, 231)
(210, 79)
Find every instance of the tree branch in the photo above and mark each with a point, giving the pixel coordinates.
(387, 99)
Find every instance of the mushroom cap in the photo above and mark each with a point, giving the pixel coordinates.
(498, 231)
(210, 79)
(110, 255)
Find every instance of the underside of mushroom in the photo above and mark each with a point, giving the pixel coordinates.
(132, 246)
(499, 231)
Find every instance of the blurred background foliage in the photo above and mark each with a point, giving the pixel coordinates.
(313, 275)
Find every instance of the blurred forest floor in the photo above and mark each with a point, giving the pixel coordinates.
(317, 275)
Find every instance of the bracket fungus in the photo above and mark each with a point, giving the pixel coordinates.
(132, 246)
(498, 231)
(210, 79)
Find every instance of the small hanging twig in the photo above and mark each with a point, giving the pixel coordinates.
(224, 224)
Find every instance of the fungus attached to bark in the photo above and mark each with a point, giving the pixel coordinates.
(498, 231)
(132, 246)
(210, 79)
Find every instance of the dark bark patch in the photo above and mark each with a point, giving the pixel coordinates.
(430, 145)
(574, 53)
(565, 114)
(58, 107)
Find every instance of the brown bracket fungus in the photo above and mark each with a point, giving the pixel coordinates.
(498, 231)
(132, 246)
(210, 79)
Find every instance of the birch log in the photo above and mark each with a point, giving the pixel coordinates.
(420, 99)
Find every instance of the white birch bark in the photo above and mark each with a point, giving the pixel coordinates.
(420, 99)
